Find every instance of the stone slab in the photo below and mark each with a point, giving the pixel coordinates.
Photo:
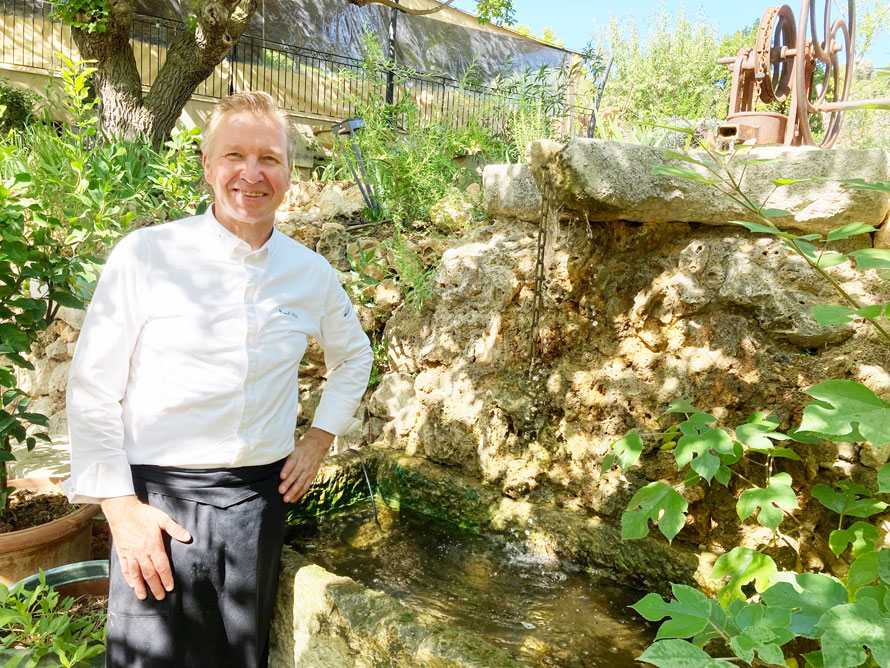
(607, 181)
(510, 191)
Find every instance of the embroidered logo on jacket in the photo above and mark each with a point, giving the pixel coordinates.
(286, 311)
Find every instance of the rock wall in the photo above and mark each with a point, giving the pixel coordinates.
(634, 316)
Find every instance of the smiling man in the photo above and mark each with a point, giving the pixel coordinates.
(182, 402)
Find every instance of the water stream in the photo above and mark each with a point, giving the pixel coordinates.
(548, 613)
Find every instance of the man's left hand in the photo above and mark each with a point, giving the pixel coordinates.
(302, 464)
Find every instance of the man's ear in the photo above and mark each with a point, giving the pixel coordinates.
(206, 164)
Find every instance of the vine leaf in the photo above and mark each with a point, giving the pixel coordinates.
(849, 230)
(626, 451)
(884, 479)
(681, 172)
(742, 565)
(658, 502)
(863, 571)
(680, 654)
(853, 499)
(700, 446)
(846, 629)
(861, 536)
(807, 595)
(681, 405)
(759, 433)
(777, 496)
(871, 258)
(763, 630)
(835, 314)
(846, 410)
(689, 613)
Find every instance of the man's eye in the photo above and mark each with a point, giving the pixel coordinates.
(270, 158)
(233, 155)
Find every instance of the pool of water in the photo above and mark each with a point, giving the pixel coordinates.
(547, 613)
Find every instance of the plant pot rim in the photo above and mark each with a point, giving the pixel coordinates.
(51, 531)
(79, 571)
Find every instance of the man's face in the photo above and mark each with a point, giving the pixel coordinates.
(247, 169)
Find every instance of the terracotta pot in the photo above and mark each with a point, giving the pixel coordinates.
(56, 543)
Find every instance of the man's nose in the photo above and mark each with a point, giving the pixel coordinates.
(250, 170)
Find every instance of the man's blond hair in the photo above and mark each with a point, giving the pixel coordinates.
(256, 102)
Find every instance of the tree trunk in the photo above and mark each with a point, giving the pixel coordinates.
(124, 110)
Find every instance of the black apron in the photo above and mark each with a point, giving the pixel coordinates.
(225, 579)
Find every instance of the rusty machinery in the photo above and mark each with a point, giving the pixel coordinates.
(793, 66)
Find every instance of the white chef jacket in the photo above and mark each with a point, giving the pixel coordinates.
(190, 350)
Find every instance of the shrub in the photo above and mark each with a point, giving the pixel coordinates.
(16, 107)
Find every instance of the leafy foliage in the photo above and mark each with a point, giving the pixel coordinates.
(657, 502)
(66, 194)
(759, 609)
(41, 620)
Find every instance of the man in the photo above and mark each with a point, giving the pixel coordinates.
(182, 401)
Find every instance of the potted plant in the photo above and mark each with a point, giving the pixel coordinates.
(41, 627)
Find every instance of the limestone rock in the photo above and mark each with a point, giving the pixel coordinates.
(57, 350)
(71, 316)
(302, 227)
(510, 191)
(395, 392)
(332, 245)
(608, 181)
(353, 202)
(331, 205)
(387, 294)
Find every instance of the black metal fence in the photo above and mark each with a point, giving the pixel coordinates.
(306, 82)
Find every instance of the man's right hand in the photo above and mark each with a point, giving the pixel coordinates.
(136, 529)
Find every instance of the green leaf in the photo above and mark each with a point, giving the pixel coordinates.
(846, 629)
(807, 595)
(871, 258)
(700, 451)
(681, 405)
(658, 502)
(625, 450)
(742, 565)
(681, 172)
(14, 337)
(832, 314)
(861, 536)
(66, 299)
(863, 571)
(884, 479)
(689, 612)
(764, 631)
(685, 157)
(760, 228)
(774, 213)
(680, 654)
(849, 230)
(847, 411)
(862, 184)
(759, 433)
(828, 259)
(723, 475)
(853, 500)
(777, 496)
(788, 182)
(884, 564)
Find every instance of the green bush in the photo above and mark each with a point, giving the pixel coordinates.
(672, 72)
(16, 107)
(66, 195)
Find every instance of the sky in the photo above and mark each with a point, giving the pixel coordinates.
(575, 20)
